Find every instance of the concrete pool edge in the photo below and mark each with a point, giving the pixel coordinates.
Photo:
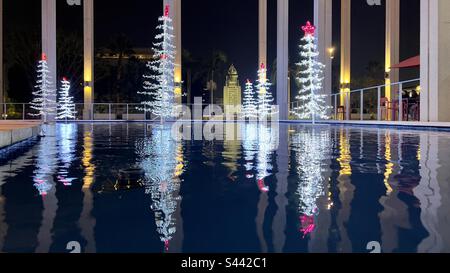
(385, 124)
(12, 133)
(404, 124)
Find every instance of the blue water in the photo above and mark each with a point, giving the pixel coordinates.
(130, 187)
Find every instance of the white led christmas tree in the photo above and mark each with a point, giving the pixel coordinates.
(44, 95)
(159, 84)
(312, 103)
(265, 98)
(249, 108)
(66, 107)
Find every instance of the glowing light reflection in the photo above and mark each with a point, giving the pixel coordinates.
(162, 160)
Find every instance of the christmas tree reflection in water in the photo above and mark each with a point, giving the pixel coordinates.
(162, 161)
(46, 161)
(311, 147)
(250, 147)
(267, 144)
(67, 134)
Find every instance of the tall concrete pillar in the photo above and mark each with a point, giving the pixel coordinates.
(346, 12)
(392, 45)
(88, 11)
(323, 20)
(175, 14)
(262, 23)
(2, 86)
(49, 42)
(282, 57)
(178, 57)
(435, 60)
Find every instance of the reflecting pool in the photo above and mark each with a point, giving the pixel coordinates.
(131, 187)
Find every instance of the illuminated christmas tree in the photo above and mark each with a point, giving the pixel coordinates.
(265, 98)
(66, 107)
(44, 95)
(312, 103)
(249, 108)
(159, 83)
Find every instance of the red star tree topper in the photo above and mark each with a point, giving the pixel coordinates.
(167, 10)
(309, 29)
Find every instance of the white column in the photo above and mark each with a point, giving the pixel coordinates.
(346, 12)
(2, 90)
(323, 20)
(49, 40)
(178, 57)
(282, 57)
(88, 11)
(392, 45)
(262, 23)
(435, 60)
(175, 14)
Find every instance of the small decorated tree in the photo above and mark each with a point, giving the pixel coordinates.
(66, 107)
(159, 84)
(44, 101)
(312, 103)
(249, 107)
(265, 98)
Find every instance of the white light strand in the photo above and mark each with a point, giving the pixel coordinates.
(265, 98)
(312, 103)
(66, 106)
(44, 95)
(159, 84)
(249, 107)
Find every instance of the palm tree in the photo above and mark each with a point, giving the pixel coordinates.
(214, 67)
(24, 49)
(190, 63)
(120, 47)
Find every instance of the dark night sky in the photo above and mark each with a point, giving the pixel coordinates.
(228, 25)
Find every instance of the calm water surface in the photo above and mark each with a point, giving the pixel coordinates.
(131, 188)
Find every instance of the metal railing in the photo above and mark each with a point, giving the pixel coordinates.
(362, 104)
(372, 103)
(96, 112)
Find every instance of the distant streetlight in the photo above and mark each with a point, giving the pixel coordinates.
(331, 52)
(418, 89)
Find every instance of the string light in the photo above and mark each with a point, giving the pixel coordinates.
(312, 103)
(265, 98)
(249, 107)
(66, 107)
(44, 94)
(159, 84)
